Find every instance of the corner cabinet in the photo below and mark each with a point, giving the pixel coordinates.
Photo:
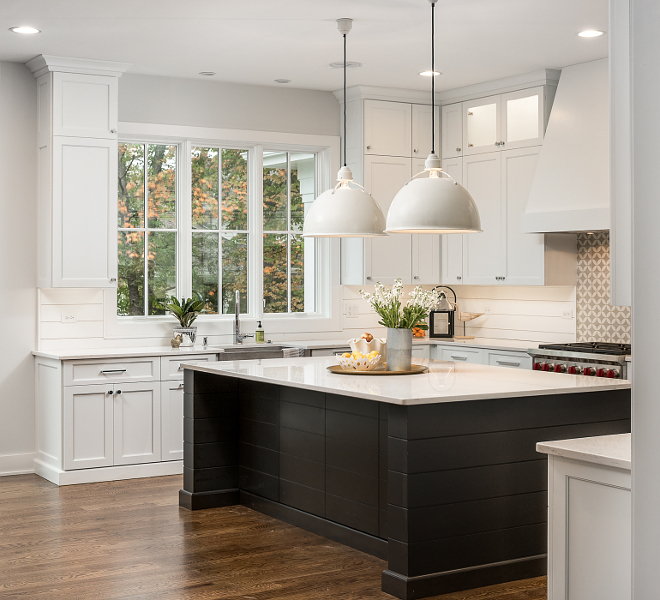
(77, 170)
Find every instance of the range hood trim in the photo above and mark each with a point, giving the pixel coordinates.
(583, 220)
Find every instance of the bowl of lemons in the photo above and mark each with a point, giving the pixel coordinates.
(356, 361)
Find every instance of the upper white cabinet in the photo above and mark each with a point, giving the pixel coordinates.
(387, 128)
(452, 244)
(422, 127)
(482, 125)
(77, 162)
(452, 130)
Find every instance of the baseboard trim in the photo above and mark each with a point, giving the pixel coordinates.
(318, 525)
(203, 500)
(16, 464)
(97, 475)
(434, 584)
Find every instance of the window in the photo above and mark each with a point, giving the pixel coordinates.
(205, 220)
(147, 234)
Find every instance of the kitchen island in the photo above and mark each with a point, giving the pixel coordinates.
(436, 473)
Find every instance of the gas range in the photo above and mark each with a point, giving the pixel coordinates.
(592, 359)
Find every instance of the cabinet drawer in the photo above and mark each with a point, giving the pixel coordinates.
(85, 372)
(420, 351)
(469, 355)
(516, 360)
(170, 366)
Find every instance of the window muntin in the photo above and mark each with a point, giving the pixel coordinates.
(288, 181)
(147, 235)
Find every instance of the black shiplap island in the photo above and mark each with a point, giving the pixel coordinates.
(436, 473)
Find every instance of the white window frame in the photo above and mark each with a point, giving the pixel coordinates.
(327, 316)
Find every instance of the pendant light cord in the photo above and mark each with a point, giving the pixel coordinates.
(344, 99)
(432, 77)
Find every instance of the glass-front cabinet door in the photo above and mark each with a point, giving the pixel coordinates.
(481, 125)
(522, 119)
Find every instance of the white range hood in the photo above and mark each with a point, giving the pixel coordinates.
(571, 187)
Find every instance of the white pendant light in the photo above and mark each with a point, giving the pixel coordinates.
(432, 202)
(347, 210)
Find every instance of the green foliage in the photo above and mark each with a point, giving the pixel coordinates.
(185, 311)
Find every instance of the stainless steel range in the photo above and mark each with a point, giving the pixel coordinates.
(593, 359)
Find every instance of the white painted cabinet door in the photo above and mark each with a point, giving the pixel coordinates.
(84, 237)
(525, 252)
(483, 253)
(452, 131)
(171, 419)
(482, 125)
(522, 118)
(85, 105)
(136, 423)
(425, 249)
(387, 128)
(452, 244)
(387, 258)
(88, 426)
(459, 355)
(513, 360)
(422, 126)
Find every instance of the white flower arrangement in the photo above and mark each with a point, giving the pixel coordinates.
(387, 303)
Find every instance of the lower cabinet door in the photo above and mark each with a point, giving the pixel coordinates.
(171, 419)
(513, 360)
(136, 423)
(88, 426)
(472, 355)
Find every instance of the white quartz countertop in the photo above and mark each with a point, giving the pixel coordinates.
(474, 343)
(608, 450)
(446, 381)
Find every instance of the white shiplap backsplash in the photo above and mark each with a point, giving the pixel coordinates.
(516, 316)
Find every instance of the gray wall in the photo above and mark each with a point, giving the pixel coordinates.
(167, 100)
(18, 318)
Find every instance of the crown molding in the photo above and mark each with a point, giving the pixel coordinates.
(45, 63)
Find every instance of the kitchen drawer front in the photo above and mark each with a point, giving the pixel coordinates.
(86, 372)
(170, 366)
(470, 355)
(513, 360)
(420, 351)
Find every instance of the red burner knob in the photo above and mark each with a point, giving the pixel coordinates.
(613, 374)
(536, 366)
(547, 367)
(588, 371)
(573, 370)
(600, 373)
(560, 368)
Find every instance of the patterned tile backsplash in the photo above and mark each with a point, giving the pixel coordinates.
(597, 320)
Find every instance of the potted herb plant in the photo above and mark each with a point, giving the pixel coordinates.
(185, 312)
(400, 319)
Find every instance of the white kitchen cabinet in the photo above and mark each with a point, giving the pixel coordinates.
(468, 355)
(420, 351)
(387, 128)
(452, 131)
(422, 127)
(171, 418)
(482, 125)
(452, 244)
(483, 253)
(512, 360)
(390, 257)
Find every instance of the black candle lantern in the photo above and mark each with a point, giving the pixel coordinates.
(441, 318)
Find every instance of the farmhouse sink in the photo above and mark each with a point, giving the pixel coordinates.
(251, 352)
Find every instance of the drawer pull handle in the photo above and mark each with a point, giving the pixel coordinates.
(180, 386)
(507, 363)
(459, 357)
(110, 371)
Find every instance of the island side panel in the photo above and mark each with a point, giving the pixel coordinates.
(210, 441)
(468, 492)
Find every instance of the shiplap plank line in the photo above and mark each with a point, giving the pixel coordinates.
(72, 296)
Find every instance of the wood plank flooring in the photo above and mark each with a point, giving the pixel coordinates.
(130, 540)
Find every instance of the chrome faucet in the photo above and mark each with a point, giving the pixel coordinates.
(238, 336)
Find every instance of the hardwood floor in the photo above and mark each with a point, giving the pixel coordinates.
(130, 539)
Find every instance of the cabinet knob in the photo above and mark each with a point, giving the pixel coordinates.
(416, 277)
(458, 149)
(118, 392)
(368, 147)
(113, 280)
(113, 131)
(110, 392)
(369, 278)
(415, 150)
(458, 277)
(470, 145)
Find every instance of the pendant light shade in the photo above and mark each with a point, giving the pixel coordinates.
(432, 202)
(347, 210)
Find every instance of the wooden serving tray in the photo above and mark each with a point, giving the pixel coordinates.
(380, 370)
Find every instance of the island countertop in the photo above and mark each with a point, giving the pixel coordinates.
(445, 381)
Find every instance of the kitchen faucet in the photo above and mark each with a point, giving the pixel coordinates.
(238, 336)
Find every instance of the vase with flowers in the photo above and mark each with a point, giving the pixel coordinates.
(400, 318)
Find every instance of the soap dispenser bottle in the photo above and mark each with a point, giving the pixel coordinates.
(259, 334)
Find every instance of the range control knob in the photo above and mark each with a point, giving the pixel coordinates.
(600, 373)
(588, 371)
(613, 374)
(560, 368)
(536, 366)
(575, 370)
(547, 367)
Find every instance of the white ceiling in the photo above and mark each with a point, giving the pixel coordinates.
(258, 41)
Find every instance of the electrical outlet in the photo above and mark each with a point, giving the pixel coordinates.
(487, 311)
(69, 318)
(352, 311)
(567, 314)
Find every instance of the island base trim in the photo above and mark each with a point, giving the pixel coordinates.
(412, 588)
(333, 531)
(203, 500)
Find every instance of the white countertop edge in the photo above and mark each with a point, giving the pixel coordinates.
(607, 450)
(540, 391)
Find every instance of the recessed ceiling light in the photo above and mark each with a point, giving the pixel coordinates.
(207, 73)
(25, 30)
(590, 33)
(430, 73)
(282, 81)
(349, 65)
